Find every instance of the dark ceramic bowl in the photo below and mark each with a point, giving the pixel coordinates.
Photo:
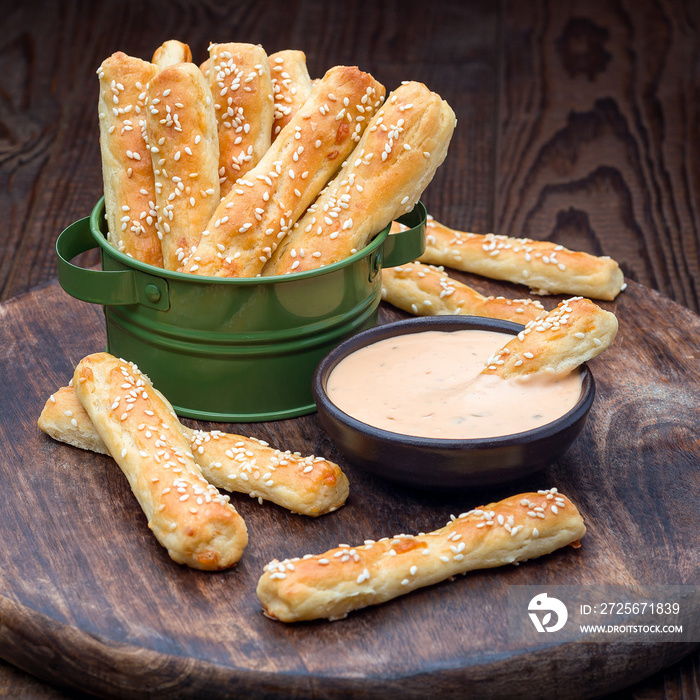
(437, 462)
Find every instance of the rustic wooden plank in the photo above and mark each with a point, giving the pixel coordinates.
(69, 510)
(20, 685)
(680, 682)
(598, 137)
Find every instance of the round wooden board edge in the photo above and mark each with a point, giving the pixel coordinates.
(71, 658)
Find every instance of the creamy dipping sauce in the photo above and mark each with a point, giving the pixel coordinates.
(418, 384)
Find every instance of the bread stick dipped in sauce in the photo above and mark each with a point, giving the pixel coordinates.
(434, 384)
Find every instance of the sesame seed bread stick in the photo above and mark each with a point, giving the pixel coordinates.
(393, 163)
(291, 86)
(129, 185)
(332, 584)
(184, 146)
(258, 212)
(189, 517)
(64, 419)
(576, 331)
(545, 267)
(171, 52)
(239, 78)
(306, 485)
(426, 290)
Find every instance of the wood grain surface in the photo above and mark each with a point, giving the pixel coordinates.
(90, 600)
(578, 121)
(599, 134)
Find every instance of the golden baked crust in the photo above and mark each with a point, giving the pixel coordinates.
(393, 163)
(189, 517)
(426, 290)
(576, 331)
(171, 52)
(545, 267)
(291, 86)
(64, 419)
(184, 146)
(239, 79)
(307, 485)
(332, 584)
(129, 185)
(258, 212)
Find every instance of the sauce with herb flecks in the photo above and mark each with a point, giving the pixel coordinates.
(418, 384)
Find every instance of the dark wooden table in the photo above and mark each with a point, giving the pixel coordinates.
(578, 122)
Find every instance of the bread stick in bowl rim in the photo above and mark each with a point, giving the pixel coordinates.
(395, 160)
(555, 343)
(249, 223)
(291, 86)
(239, 78)
(129, 183)
(184, 148)
(170, 53)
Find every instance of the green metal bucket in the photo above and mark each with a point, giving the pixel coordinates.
(232, 349)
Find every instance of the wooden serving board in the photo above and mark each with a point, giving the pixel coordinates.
(88, 599)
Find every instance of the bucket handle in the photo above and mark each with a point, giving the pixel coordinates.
(115, 287)
(124, 287)
(405, 246)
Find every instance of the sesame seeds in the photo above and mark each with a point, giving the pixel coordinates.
(391, 564)
(279, 188)
(364, 576)
(333, 217)
(156, 449)
(542, 262)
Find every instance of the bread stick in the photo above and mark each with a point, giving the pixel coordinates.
(307, 485)
(239, 78)
(255, 216)
(385, 175)
(64, 419)
(171, 52)
(332, 584)
(545, 267)
(574, 332)
(189, 517)
(184, 145)
(426, 290)
(291, 86)
(129, 185)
